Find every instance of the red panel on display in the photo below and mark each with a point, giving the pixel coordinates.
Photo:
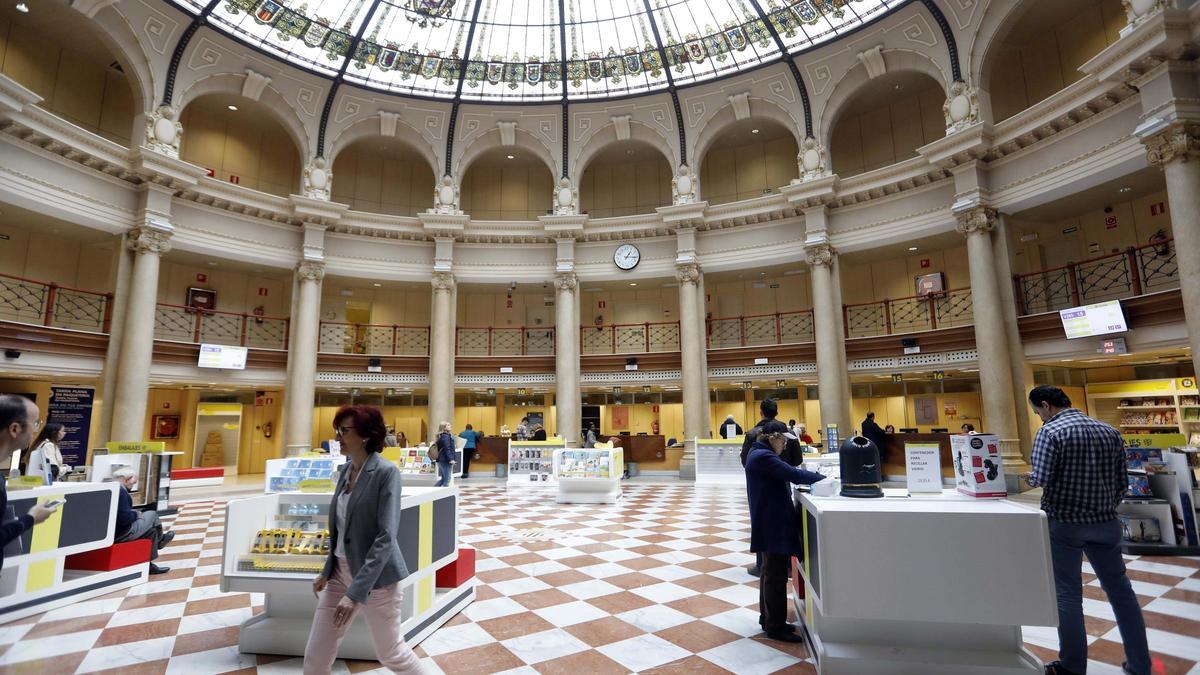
(458, 572)
(111, 558)
(199, 472)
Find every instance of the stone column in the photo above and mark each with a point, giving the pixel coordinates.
(702, 309)
(566, 358)
(441, 352)
(691, 346)
(1177, 151)
(1021, 372)
(148, 243)
(977, 223)
(302, 357)
(116, 332)
(835, 283)
(831, 348)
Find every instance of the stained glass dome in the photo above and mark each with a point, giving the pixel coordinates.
(533, 50)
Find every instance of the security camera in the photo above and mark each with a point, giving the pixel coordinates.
(12, 353)
(512, 286)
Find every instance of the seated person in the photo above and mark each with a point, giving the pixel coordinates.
(539, 433)
(133, 525)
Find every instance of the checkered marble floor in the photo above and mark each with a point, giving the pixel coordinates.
(654, 584)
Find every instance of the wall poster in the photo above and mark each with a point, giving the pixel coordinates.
(72, 408)
(926, 409)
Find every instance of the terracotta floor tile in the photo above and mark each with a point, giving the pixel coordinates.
(515, 625)
(641, 564)
(1046, 655)
(458, 620)
(564, 578)
(490, 543)
(593, 548)
(119, 635)
(796, 649)
(485, 592)
(523, 559)
(203, 641)
(1182, 595)
(145, 668)
(703, 583)
(217, 604)
(600, 632)
(208, 580)
(687, 666)
(154, 599)
(1113, 653)
(357, 666)
(798, 669)
(590, 661)
(633, 580)
(649, 549)
(65, 626)
(615, 603)
(484, 659)
(543, 598)
(698, 636)
(539, 545)
(710, 551)
(575, 562)
(60, 663)
(1152, 578)
(1164, 622)
(700, 606)
(264, 659)
(498, 575)
(705, 565)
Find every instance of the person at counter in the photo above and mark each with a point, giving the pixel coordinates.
(390, 440)
(802, 433)
(539, 433)
(968, 428)
(133, 525)
(1079, 463)
(46, 460)
(365, 567)
(472, 438)
(523, 429)
(730, 428)
(873, 432)
(773, 524)
(589, 436)
(18, 421)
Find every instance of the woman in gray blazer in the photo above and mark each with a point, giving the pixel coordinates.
(365, 566)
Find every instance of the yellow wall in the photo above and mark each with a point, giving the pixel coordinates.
(742, 297)
(491, 308)
(503, 193)
(408, 306)
(1035, 61)
(42, 255)
(252, 146)
(236, 291)
(887, 277)
(74, 86)
(381, 182)
(889, 134)
(621, 189)
(732, 172)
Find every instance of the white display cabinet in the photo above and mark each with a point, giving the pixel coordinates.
(588, 475)
(531, 463)
(428, 541)
(288, 473)
(939, 584)
(416, 467)
(719, 461)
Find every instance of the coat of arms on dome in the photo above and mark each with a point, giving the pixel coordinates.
(652, 61)
(613, 68)
(427, 12)
(291, 24)
(677, 55)
(451, 67)
(237, 6)
(757, 32)
(806, 12)
(337, 44)
(514, 72)
(495, 71)
(476, 71)
(735, 37)
(633, 61)
(552, 73)
(695, 48)
(533, 72)
(595, 67)
(366, 54)
(389, 56)
(429, 68)
(576, 72)
(316, 33)
(832, 7)
(714, 42)
(409, 62)
(785, 22)
(267, 11)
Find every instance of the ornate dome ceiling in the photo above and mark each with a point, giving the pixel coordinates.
(532, 50)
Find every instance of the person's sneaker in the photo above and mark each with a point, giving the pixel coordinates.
(167, 538)
(785, 636)
(1057, 668)
(158, 569)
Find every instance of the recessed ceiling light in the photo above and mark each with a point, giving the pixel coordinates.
(232, 107)
(376, 285)
(899, 87)
(511, 156)
(633, 283)
(754, 131)
(23, 8)
(912, 248)
(212, 263)
(1125, 189)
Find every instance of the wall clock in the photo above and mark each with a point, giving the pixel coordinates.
(627, 256)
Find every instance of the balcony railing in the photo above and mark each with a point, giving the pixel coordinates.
(177, 323)
(48, 304)
(946, 309)
(630, 338)
(506, 341)
(337, 337)
(762, 329)
(1134, 271)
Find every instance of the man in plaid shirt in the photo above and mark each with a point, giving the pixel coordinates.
(1079, 463)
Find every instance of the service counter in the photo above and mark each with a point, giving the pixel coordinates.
(939, 584)
(491, 450)
(284, 562)
(641, 448)
(892, 454)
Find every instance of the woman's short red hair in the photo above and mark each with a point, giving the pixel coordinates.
(367, 422)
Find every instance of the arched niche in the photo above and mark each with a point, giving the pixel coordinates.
(625, 178)
(506, 183)
(748, 159)
(1037, 49)
(78, 71)
(885, 121)
(383, 175)
(241, 141)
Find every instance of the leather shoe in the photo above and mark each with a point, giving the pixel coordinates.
(784, 636)
(166, 539)
(789, 627)
(754, 571)
(158, 569)
(1057, 668)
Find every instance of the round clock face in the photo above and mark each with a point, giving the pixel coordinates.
(627, 256)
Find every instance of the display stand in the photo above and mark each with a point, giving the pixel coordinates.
(1167, 497)
(828, 464)
(428, 541)
(589, 476)
(936, 585)
(294, 474)
(531, 463)
(35, 579)
(719, 461)
(416, 467)
(152, 490)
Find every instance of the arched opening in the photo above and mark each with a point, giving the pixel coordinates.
(241, 141)
(1040, 52)
(507, 183)
(383, 175)
(624, 179)
(886, 121)
(749, 158)
(56, 52)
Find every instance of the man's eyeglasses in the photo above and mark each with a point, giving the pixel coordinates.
(37, 425)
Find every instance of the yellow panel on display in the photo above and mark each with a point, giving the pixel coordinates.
(1132, 388)
(25, 482)
(1154, 440)
(45, 533)
(317, 485)
(425, 556)
(41, 574)
(219, 409)
(116, 448)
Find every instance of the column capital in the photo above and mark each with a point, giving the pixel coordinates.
(566, 281)
(443, 281)
(820, 255)
(150, 239)
(688, 273)
(310, 270)
(1180, 141)
(976, 219)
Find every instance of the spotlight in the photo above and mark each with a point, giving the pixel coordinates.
(912, 248)
(511, 156)
(754, 131)
(22, 8)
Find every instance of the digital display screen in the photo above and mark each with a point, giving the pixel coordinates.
(223, 357)
(1090, 320)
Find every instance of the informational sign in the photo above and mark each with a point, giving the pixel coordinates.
(1113, 346)
(1154, 440)
(928, 284)
(923, 462)
(1099, 319)
(117, 448)
(926, 410)
(224, 357)
(832, 440)
(72, 408)
(950, 408)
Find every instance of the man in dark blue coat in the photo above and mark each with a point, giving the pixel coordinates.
(773, 531)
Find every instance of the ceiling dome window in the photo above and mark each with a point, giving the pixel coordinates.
(524, 49)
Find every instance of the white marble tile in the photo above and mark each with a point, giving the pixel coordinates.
(748, 657)
(213, 620)
(115, 656)
(560, 553)
(1188, 585)
(1144, 565)
(573, 541)
(207, 592)
(670, 572)
(742, 621)
(542, 568)
(544, 646)
(88, 608)
(455, 638)
(664, 592)
(428, 667)
(617, 555)
(675, 557)
(505, 551)
(654, 618)
(489, 564)
(570, 613)
(214, 661)
(519, 586)
(207, 570)
(736, 558)
(161, 586)
(10, 634)
(1185, 610)
(1099, 609)
(1166, 643)
(522, 670)
(46, 647)
(737, 575)
(738, 594)
(491, 609)
(586, 590)
(131, 617)
(643, 652)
